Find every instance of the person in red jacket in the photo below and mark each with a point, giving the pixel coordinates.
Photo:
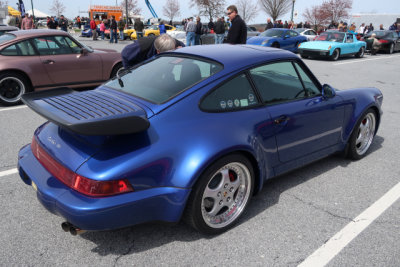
(93, 27)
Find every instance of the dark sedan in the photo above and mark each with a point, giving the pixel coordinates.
(390, 40)
(42, 59)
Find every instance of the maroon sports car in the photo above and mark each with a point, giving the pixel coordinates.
(43, 59)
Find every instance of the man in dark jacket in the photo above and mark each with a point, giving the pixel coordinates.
(139, 26)
(198, 32)
(63, 23)
(113, 30)
(238, 31)
(270, 25)
(219, 29)
(147, 47)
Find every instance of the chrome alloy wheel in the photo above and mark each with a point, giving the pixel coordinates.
(366, 133)
(226, 195)
(11, 89)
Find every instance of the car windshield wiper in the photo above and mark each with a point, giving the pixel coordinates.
(121, 83)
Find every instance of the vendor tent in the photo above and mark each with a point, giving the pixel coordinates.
(38, 13)
(13, 12)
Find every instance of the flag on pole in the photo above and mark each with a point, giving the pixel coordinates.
(21, 7)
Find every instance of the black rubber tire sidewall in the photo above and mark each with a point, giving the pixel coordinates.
(352, 152)
(22, 79)
(335, 55)
(193, 215)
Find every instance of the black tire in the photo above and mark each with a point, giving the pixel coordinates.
(362, 135)
(221, 195)
(12, 86)
(335, 55)
(361, 52)
(276, 45)
(391, 48)
(115, 70)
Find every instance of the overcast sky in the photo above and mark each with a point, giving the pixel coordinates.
(74, 6)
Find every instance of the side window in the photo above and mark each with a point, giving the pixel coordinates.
(349, 38)
(233, 95)
(278, 82)
(53, 45)
(23, 48)
(293, 34)
(311, 88)
(73, 45)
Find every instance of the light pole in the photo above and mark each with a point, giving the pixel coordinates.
(291, 17)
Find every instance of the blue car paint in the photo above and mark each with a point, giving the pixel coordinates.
(284, 41)
(164, 162)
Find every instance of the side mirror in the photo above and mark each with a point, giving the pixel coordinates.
(328, 91)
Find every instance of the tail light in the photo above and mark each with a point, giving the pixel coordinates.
(384, 41)
(77, 182)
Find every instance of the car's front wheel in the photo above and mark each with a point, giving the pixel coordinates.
(363, 135)
(361, 52)
(118, 67)
(12, 87)
(221, 195)
(335, 54)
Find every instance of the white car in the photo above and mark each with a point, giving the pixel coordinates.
(309, 33)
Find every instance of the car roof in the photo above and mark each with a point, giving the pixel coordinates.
(235, 57)
(37, 32)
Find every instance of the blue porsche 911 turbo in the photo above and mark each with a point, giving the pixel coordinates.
(193, 141)
(279, 38)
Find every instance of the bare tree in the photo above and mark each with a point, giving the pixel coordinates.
(133, 7)
(209, 8)
(276, 8)
(58, 7)
(171, 9)
(336, 10)
(247, 9)
(315, 16)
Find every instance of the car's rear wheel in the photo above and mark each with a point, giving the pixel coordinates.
(391, 48)
(276, 45)
(363, 135)
(12, 87)
(221, 195)
(361, 52)
(335, 55)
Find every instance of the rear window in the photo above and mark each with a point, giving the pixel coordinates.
(162, 78)
(6, 37)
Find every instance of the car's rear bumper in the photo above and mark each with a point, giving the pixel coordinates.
(155, 204)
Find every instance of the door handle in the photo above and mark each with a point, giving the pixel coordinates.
(49, 61)
(281, 119)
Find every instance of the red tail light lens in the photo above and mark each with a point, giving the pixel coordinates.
(79, 183)
(383, 41)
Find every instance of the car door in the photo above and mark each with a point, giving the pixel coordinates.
(64, 62)
(348, 45)
(304, 121)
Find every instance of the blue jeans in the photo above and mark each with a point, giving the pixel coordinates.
(102, 35)
(113, 35)
(189, 38)
(121, 34)
(219, 38)
(139, 35)
(197, 39)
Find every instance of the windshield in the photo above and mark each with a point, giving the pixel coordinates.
(166, 76)
(6, 37)
(379, 34)
(272, 33)
(331, 37)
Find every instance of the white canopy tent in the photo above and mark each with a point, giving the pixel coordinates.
(38, 13)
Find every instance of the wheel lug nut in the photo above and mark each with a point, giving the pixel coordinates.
(226, 185)
(231, 189)
(229, 199)
(219, 194)
(220, 203)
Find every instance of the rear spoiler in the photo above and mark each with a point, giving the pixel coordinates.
(95, 112)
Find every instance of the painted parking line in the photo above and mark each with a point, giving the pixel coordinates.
(8, 172)
(362, 60)
(12, 108)
(330, 249)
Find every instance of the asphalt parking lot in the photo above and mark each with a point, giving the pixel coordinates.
(298, 214)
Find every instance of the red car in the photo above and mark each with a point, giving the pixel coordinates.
(33, 60)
